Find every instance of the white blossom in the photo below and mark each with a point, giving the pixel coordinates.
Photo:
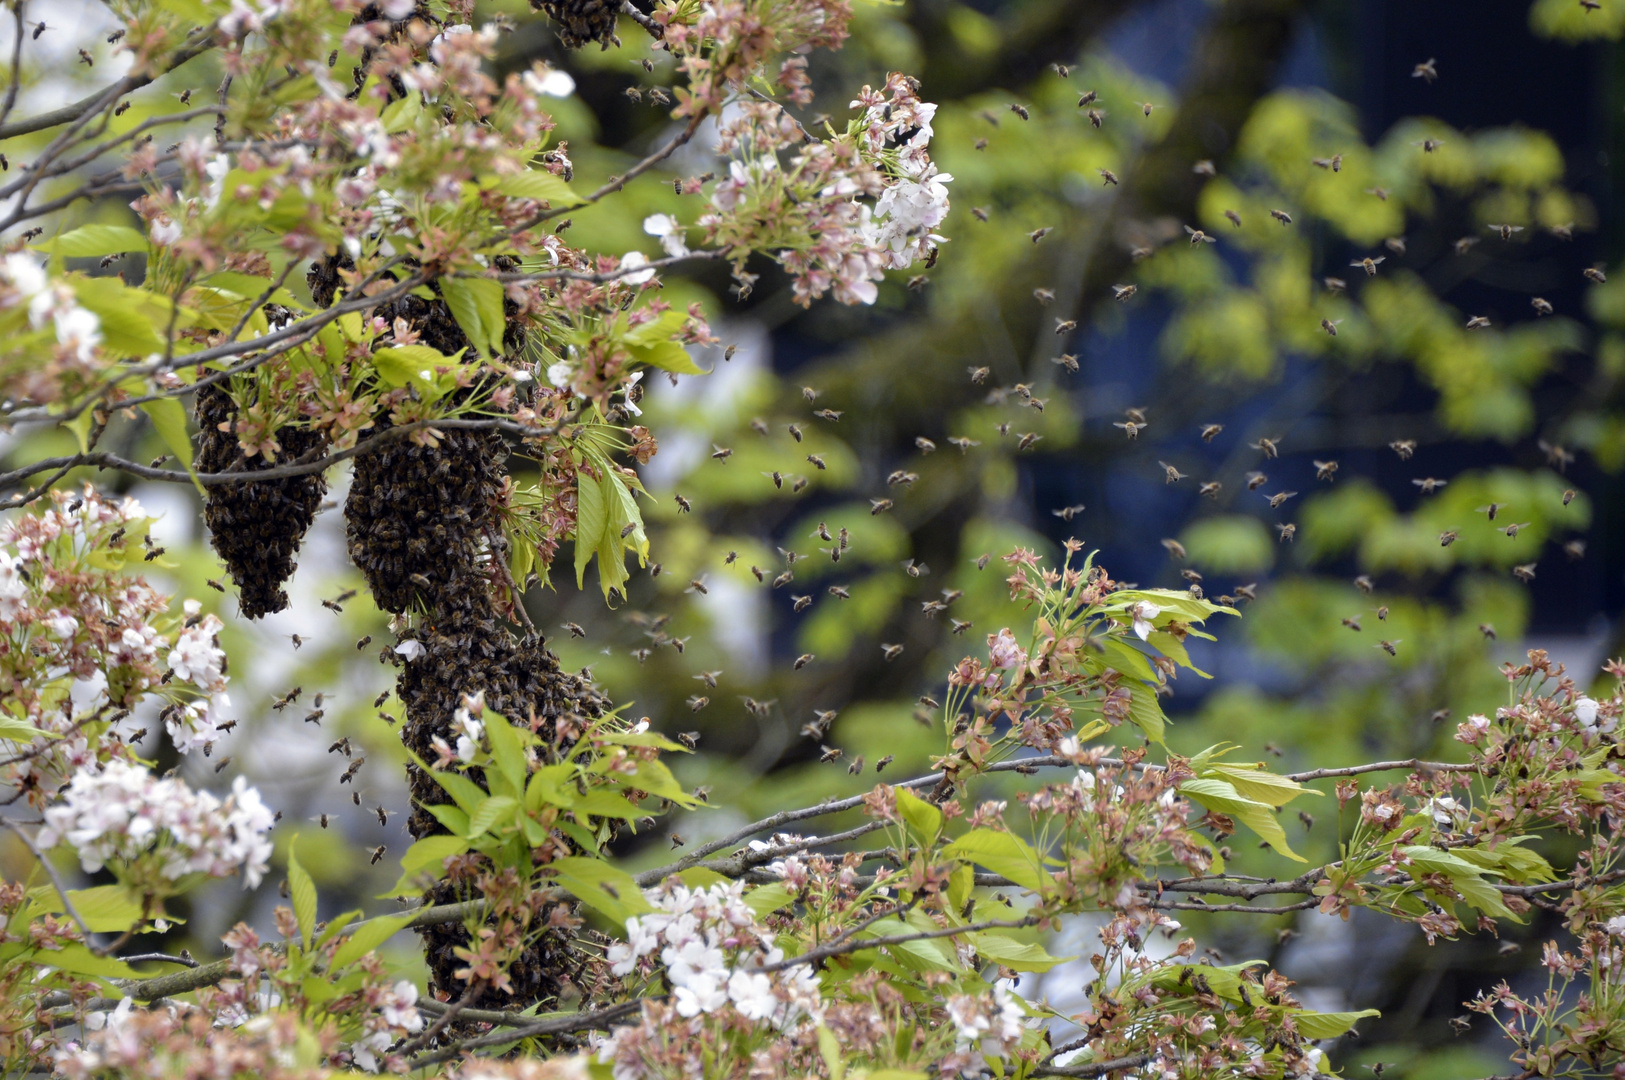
(1143, 613)
(542, 80)
(631, 260)
(411, 649)
(670, 232)
(13, 589)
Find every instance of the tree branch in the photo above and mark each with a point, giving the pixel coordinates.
(69, 113)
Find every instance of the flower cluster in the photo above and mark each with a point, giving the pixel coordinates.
(709, 944)
(985, 1026)
(164, 1043)
(153, 832)
(49, 305)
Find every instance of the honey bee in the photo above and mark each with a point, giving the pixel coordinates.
(983, 560)
(1575, 549)
(1396, 244)
(1403, 447)
(1595, 273)
(1130, 428)
(1121, 293)
(1282, 216)
(355, 767)
(901, 477)
(1429, 485)
(1107, 177)
(1429, 145)
(287, 699)
(784, 579)
(1066, 360)
(683, 505)
(720, 453)
(1330, 326)
(1256, 480)
(1352, 622)
(1021, 111)
(1369, 265)
(879, 506)
(1364, 584)
(1278, 498)
(1270, 447)
(795, 432)
(803, 660)
(1448, 537)
(1027, 440)
(1506, 231)
(1233, 218)
(839, 593)
(363, 643)
(978, 375)
(1568, 496)
(1199, 237)
(827, 754)
(891, 652)
(378, 701)
(1067, 513)
(1174, 548)
(1210, 489)
(1426, 70)
(378, 853)
(1089, 97)
(1335, 285)
(979, 213)
(1390, 647)
(1334, 163)
(1096, 117)
(1512, 530)
(801, 603)
(1170, 475)
(1477, 322)
(1541, 305)
(1038, 234)
(1287, 531)
(1524, 573)
(1325, 470)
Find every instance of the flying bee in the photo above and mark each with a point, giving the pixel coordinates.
(1492, 509)
(1512, 530)
(1465, 244)
(1130, 428)
(1170, 475)
(1107, 177)
(1335, 285)
(1429, 485)
(1477, 322)
(217, 587)
(363, 643)
(1524, 573)
(901, 477)
(1448, 537)
(1066, 360)
(1541, 306)
(378, 853)
(1021, 111)
(983, 560)
(287, 699)
(1282, 216)
(1287, 531)
(1429, 145)
(1352, 622)
(1089, 97)
(795, 432)
(960, 626)
(803, 660)
(1325, 470)
(1390, 647)
(1120, 293)
(1506, 231)
(1425, 70)
(800, 603)
(1575, 549)
(827, 754)
(1067, 513)
(891, 652)
(322, 819)
(1403, 447)
(355, 767)
(1096, 117)
(698, 585)
(839, 593)
(155, 552)
(86, 59)
(914, 568)
(1330, 326)
(963, 442)
(1061, 69)
(1595, 273)
(978, 213)
(1364, 584)
(1487, 630)
(1027, 440)
(784, 579)
(1256, 480)
(1210, 489)
(334, 606)
(846, 538)
(1562, 232)
(720, 453)
(1568, 496)
(1278, 498)
(1044, 296)
(39, 28)
(1396, 244)
(1174, 548)
(1334, 163)
(1199, 237)
(1369, 265)
(1270, 447)
(978, 375)
(696, 703)
(683, 505)
(315, 716)
(1038, 234)
(879, 506)
(1209, 431)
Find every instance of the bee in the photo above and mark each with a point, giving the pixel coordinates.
(1089, 97)
(1425, 70)
(979, 213)
(890, 652)
(378, 853)
(1256, 480)
(1121, 293)
(1477, 322)
(1026, 441)
(1278, 498)
(709, 678)
(1067, 513)
(640, 655)
(879, 506)
(1512, 530)
(1199, 237)
(720, 453)
(121, 109)
(363, 643)
(1044, 296)
(810, 394)
(575, 629)
(1096, 117)
(1066, 360)
(1492, 509)
(1334, 163)
(982, 561)
(1562, 232)
(39, 28)
(1061, 69)
(1506, 231)
(1369, 265)
(1396, 244)
(846, 539)
(1107, 177)
(1430, 484)
(978, 375)
(1364, 584)
(287, 699)
(1287, 531)
(1021, 111)
(1130, 428)
(1595, 273)
(1174, 548)
(683, 505)
(633, 93)
(86, 58)
(1403, 447)
(914, 568)
(1575, 550)
(334, 606)
(827, 754)
(1038, 234)
(1541, 305)
(960, 626)
(1465, 244)
(1352, 622)
(1282, 216)
(1211, 489)
(657, 96)
(795, 432)
(730, 558)
(1429, 145)
(1568, 496)
(655, 569)
(1335, 285)
(1247, 592)
(1233, 218)
(901, 477)
(355, 767)
(728, 353)
(378, 702)
(803, 660)
(155, 552)
(1170, 475)
(698, 585)
(1524, 573)
(322, 819)
(1460, 1025)
(784, 579)
(1390, 647)
(1270, 447)
(800, 603)
(1330, 326)
(1145, 107)
(217, 587)
(315, 716)
(839, 593)
(1448, 537)
(1487, 630)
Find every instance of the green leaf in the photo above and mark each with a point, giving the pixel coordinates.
(667, 356)
(1319, 1025)
(1146, 711)
(91, 241)
(1127, 659)
(1463, 875)
(1003, 853)
(476, 304)
(106, 909)
(132, 320)
(464, 792)
(585, 879)
(20, 731)
(367, 937)
(303, 891)
(923, 817)
(592, 513)
(1018, 955)
(656, 779)
(75, 959)
(1259, 785)
(600, 803)
(541, 185)
(507, 751)
(766, 899)
(455, 821)
(1221, 797)
(494, 809)
(414, 366)
(168, 418)
(335, 926)
(551, 786)
(829, 1048)
(431, 852)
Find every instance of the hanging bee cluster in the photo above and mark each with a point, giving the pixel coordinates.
(582, 21)
(255, 526)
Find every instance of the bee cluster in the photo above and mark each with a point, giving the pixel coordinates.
(582, 21)
(256, 526)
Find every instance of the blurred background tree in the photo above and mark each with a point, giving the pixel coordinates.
(875, 455)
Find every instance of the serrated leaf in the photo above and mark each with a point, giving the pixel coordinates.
(541, 185)
(476, 304)
(1259, 785)
(1003, 853)
(19, 731)
(1220, 796)
(585, 878)
(367, 937)
(1017, 955)
(1319, 1025)
(452, 817)
(91, 241)
(766, 899)
(1146, 711)
(431, 852)
(667, 356)
(106, 909)
(75, 959)
(303, 892)
(923, 817)
(600, 803)
(494, 809)
(507, 751)
(551, 786)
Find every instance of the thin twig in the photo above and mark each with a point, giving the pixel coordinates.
(582, 1021)
(69, 113)
(412, 1046)
(813, 956)
(56, 883)
(1094, 1069)
(16, 63)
